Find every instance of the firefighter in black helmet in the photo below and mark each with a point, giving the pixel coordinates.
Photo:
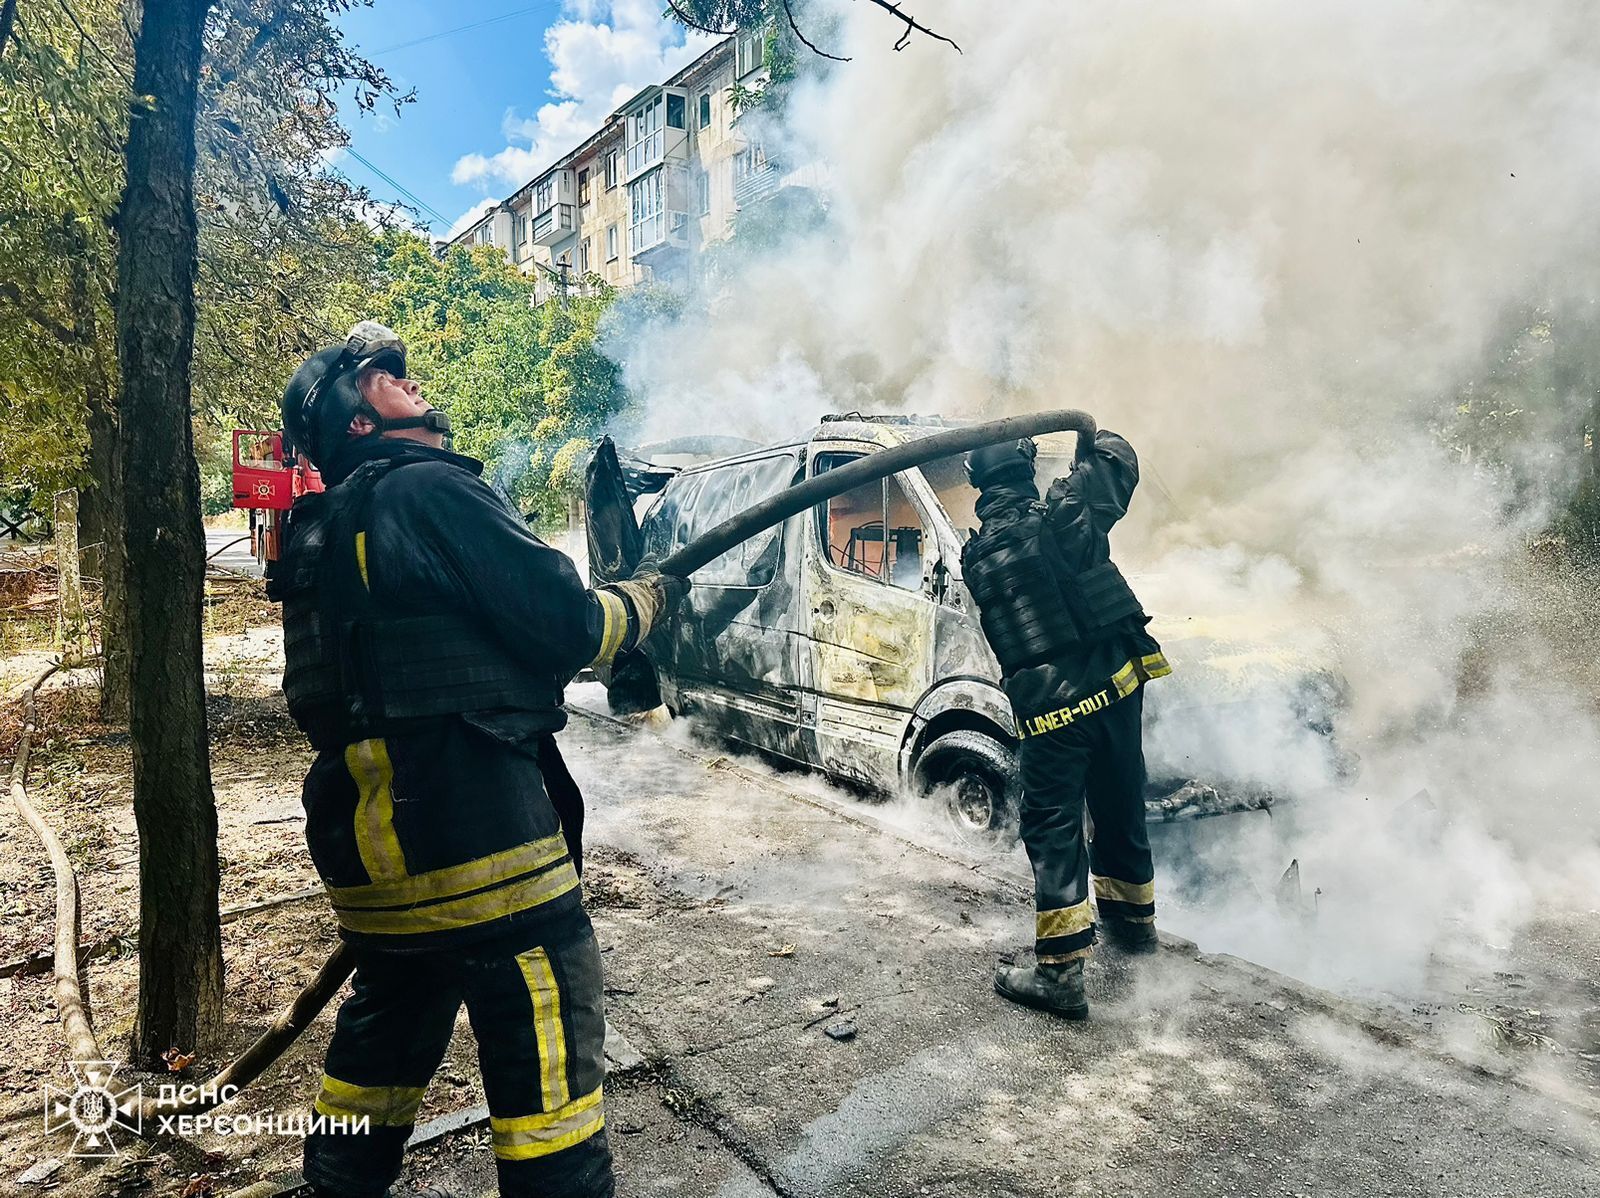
(427, 636)
(1070, 637)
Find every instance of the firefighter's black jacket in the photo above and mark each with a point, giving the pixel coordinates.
(441, 830)
(1080, 509)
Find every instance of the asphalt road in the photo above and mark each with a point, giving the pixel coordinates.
(744, 915)
(230, 556)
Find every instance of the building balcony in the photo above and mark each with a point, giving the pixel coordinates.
(554, 224)
(756, 184)
(659, 238)
(642, 155)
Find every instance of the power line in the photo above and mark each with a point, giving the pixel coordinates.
(433, 37)
(404, 192)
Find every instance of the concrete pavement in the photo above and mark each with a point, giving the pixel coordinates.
(741, 919)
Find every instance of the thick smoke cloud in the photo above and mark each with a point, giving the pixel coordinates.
(1269, 243)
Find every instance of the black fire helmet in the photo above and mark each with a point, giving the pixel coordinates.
(1005, 462)
(322, 397)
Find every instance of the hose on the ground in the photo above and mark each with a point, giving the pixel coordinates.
(74, 1013)
(70, 1003)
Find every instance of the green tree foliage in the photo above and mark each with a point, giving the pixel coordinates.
(526, 387)
(280, 232)
(1533, 410)
(64, 96)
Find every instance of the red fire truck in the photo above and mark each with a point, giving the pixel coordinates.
(267, 479)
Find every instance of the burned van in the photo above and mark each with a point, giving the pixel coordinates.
(844, 639)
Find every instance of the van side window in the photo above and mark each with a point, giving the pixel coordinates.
(874, 531)
(697, 502)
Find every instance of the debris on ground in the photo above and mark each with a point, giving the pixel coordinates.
(40, 1172)
(842, 1029)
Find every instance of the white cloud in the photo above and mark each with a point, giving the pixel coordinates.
(601, 52)
(470, 217)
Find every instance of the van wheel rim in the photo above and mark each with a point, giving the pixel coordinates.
(972, 804)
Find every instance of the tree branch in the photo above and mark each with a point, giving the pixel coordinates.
(804, 40)
(104, 53)
(911, 23)
(686, 19)
(30, 307)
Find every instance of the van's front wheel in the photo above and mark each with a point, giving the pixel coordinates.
(975, 779)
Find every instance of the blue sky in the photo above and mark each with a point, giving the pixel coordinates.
(497, 102)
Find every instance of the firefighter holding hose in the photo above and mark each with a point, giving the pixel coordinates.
(1073, 650)
(428, 635)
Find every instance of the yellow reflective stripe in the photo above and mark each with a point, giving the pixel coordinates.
(1063, 921)
(1063, 958)
(614, 629)
(465, 912)
(361, 558)
(390, 1106)
(1126, 680)
(1139, 894)
(454, 879)
(528, 1136)
(368, 763)
(1155, 665)
(546, 997)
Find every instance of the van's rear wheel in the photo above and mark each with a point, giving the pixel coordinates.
(974, 777)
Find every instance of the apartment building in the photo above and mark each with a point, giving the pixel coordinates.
(662, 177)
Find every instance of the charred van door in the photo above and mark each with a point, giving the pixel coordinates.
(737, 651)
(868, 566)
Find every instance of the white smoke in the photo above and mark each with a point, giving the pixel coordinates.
(1268, 243)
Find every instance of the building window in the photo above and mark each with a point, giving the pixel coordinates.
(646, 137)
(705, 111)
(583, 186)
(702, 186)
(611, 243)
(676, 118)
(749, 51)
(647, 212)
(583, 256)
(611, 170)
(543, 193)
(751, 160)
(519, 228)
(485, 234)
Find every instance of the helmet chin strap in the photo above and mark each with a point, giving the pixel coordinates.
(433, 420)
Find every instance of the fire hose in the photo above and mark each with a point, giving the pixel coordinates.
(294, 1019)
(823, 487)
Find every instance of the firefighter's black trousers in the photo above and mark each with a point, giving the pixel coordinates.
(538, 1019)
(1098, 757)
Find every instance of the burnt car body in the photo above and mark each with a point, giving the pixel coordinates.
(844, 639)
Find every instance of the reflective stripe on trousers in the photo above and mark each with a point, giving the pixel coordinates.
(538, 1019)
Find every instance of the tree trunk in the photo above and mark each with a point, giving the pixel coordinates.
(104, 552)
(99, 514)
(180, 939)
(72, 624)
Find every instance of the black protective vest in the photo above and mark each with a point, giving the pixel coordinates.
(1034, 607)
(353, 671)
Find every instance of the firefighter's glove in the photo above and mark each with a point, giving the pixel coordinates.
(649, 597)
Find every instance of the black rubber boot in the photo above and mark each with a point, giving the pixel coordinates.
(1125, 936)
(1054, 988)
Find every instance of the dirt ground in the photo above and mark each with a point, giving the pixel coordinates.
(743, 915)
